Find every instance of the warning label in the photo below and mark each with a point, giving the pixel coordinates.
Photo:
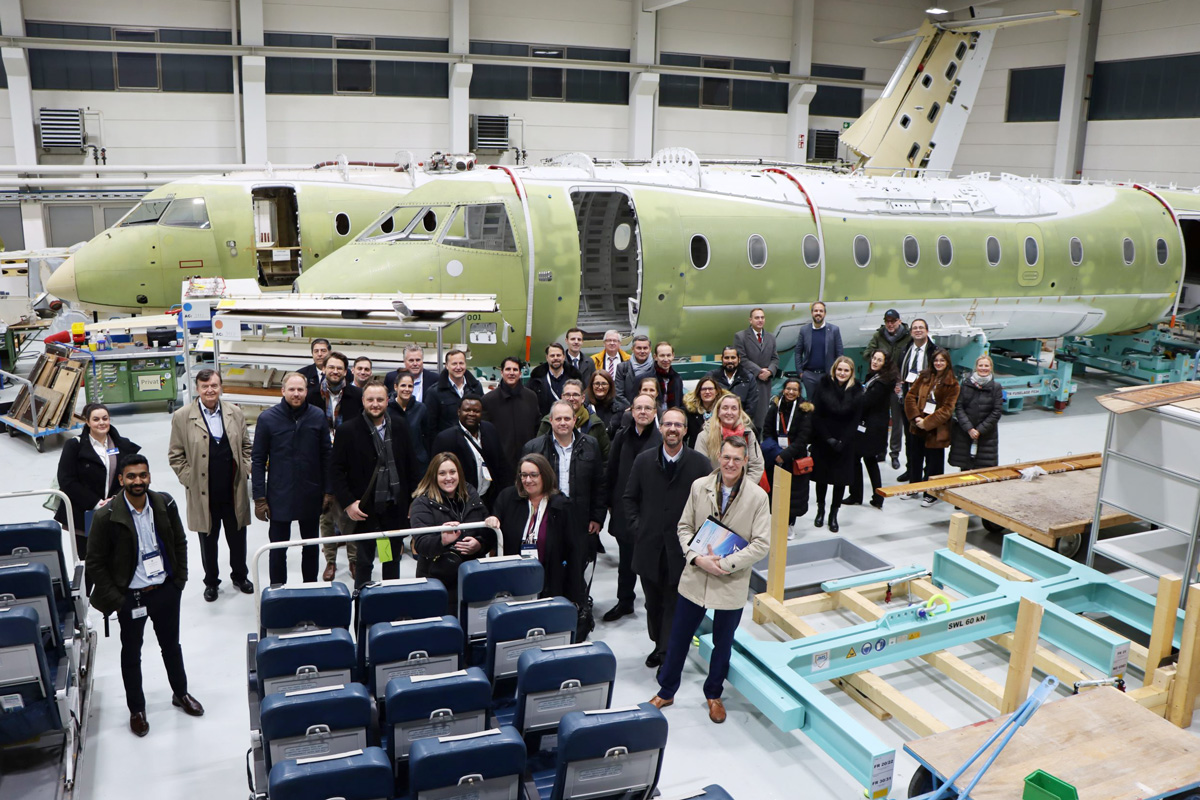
(851, 654)
(954, 625)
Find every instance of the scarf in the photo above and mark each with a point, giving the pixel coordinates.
(642, 370)
(328, 392)
(387, 477)
(733, 493)
(740, 430)
(980, 380)
(666, 388)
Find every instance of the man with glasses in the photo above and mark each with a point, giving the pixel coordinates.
(585, 421)
(612, 355)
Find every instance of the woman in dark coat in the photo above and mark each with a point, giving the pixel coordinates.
(871, 438)
(700, 404)
(929, 406)
(415, 415)
(976, 415)
(599, 397)
(86, 477)
(789, 426)
(836, 412)
(443, 498)
(532, 517)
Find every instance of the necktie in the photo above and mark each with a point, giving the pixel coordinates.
(760, 337)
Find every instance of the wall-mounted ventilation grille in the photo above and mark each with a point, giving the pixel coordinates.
(489, 132)
(61, 128)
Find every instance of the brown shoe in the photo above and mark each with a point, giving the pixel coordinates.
(330, 571)
(659, 702)
(139, 724)
(716, 710)
(190, 705)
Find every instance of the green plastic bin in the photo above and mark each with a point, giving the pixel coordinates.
(1040, 785)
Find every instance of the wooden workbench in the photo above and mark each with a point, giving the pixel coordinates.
(1105, 746)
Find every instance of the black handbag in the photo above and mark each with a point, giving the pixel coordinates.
(445, 566)
(587, 621)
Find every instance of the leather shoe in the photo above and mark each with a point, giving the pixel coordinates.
(247, 587)
(616, 612)
(659, 702)
(895, 462)
(716, 710)
(877, 501)
(850, 501)
(833, 522)
(819, 519)
(902, 477)
(190, 705)
(330, 571)
(139, 724)
(653, 660)
(210, 593)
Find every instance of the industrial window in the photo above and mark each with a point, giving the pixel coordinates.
(945, 251)
(502, 82)
(1162, 251)
(1031, 251)
(191, 73)
(756, 251)
(716, 92)
(546, 84)
(1129, 251)
(992, 248)
(597, 86)
(679, 91)
(353, 76)
(912, 251)
(73, 70)
(411, 223)
(769, 96)
(136, 70)
(186, 212)
(689, 91)
(1146, 88)
(698, 251)
(412, 78)
(341, 223)
(1035, 94)
(837, 101)
(299, 75)
(499, 81)
(862, 250)
(1076, 250)
(812, 251)
(480, 227)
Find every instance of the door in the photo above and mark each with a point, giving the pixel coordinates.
(1031, 255)
(277, 235)
(610, 253)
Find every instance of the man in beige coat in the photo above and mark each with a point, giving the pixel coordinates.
(210, 452)
(713, 582)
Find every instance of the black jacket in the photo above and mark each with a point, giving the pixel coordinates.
(744, 385)
(515, 413)
(311, 374)
(592, 426)
(454, 440)
(442, 400)
(564, 562)
(429, 379)
(653, 505)
(978, 408)
(628, 446)
(289, 464)
(354, 461)
(876, 412)
(81, 475)
(420, 429)
(112, 553)
(431, 553)
(836, 414)
(350, 407)
(586, 482)
(537, 384)
(585, 369)
(799, 432)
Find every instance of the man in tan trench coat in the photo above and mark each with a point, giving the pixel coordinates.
(210, 452)
(713, 582)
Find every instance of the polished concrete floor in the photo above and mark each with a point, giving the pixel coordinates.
(184, 757)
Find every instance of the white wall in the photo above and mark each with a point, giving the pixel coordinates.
(7, 152)
(420, 18)
(212, 14)
(304, 128)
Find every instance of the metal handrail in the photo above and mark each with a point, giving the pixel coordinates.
(349, 537)
(70, 512)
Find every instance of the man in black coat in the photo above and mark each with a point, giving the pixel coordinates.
(373, 473)
(312, 372)
(479, 450)
(513, 410)
(656, 493)
(547, 379)
(576, 360)
(293, 437)
(670, 382)
(452, 385)
(733, 377)
(336, 396)
(414, 363)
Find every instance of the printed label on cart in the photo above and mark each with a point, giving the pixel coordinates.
(914, 635)
(882, 767)
(1120, 660)
(150, 383)
(820, 661)
(966, 622)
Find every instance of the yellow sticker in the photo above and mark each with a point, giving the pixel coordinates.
(968, 477)
(914, 635)
(235, 371)
(225, 304)
(851, 654)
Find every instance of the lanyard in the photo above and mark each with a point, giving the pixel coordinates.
(791, 415)
(550, 385)
(535, 522)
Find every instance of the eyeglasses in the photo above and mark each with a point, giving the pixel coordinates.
(671, 425)
(530, 476)
(735, 460)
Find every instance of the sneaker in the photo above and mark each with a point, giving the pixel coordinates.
(909, 496)
(928, 501)
(791, 534)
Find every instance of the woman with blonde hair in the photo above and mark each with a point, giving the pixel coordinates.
(837, 410)
(974, 439)
(700, 404)
(730, 420)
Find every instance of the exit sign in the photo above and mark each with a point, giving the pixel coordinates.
(845, 125)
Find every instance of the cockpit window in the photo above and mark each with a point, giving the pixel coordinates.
(405, 223)
(146, 212)
(186, 212)
(480, 227)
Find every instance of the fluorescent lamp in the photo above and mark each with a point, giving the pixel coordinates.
(936, 10)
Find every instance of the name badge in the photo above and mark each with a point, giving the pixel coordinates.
(138, 612)
(783, 441)
(153, 563)
(930, 407)
(910, 377)
(862, 428)
(113, 451)
(529, 550)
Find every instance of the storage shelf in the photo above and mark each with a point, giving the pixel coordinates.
(1156, 552)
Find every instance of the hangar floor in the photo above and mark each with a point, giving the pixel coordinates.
(186, 757)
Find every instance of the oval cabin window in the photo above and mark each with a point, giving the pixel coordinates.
(1163, 251)
(1076, 249)
(699, 251)
(912, 251)
(341, 223)
(812, 251)
(992, 246)
(945, 251)
(862, 250)
(1129, 251)
(756, 251)
(1031, 251)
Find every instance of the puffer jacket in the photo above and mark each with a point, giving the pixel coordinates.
(978, 407)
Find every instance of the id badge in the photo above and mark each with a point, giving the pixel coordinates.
(138, 612)
(153, 563)
(911, 378)
(862, 428)
(113, 451)
(529, 550)
(486, 473)
(783, 441)
(930, 407)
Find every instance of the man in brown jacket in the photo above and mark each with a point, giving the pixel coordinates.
(711, 581)
(210, 452)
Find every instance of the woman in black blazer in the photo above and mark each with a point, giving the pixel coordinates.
(537, 488)
(871, 438)
(82, 475)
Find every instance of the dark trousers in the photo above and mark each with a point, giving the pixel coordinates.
(281, 531)
(856, 483)
(162, 608)
(687, 620)
(660, 599)
(899, 425)
(235, 538)
(809, 380)
(626, 577)
(364, 563)
(822, 489)
(924, 462)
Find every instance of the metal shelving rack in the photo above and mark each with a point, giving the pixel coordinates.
(1151, 470)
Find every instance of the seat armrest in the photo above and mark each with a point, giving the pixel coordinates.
(77, 579)
(62, 676)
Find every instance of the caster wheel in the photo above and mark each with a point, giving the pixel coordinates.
(1068, 546)
(992, 527)
(40, 444)
(921, 783)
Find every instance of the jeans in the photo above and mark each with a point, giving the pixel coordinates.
(687, 620)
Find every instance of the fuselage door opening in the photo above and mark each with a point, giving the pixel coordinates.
(1189, 297)
(277, 235)
(610, 259)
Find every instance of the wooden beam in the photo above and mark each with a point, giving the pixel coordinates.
(1024, 651)
(1162, 630)
(811, 604)
(1182, 699)
(781, 519)
(1005, 472)
(905, 710)
(957, 540)
(989, 561)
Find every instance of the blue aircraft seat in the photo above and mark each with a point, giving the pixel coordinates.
(603, 755)
(388, 601)
(420, 707)
(479, 766)
(29, 584)
(315, 722)
(294, 608)
(515, 626)
(361, 775)
(555, 680)
(42, 542)
(309, 660)
(28, 706)
(430, 646)
(490, 580)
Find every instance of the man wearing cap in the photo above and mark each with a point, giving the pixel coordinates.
(893, 338)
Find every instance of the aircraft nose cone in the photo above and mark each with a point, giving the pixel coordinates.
(62, 281)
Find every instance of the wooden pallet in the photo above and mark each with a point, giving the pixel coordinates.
(1006, 472)
(1186, 394)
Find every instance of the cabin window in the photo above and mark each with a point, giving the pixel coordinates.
(905, 120)
(1163, 251)
(756, 251)
(341, 223)
(405, 223)
(147, 211)
(862, 250)
(1076, 249)
(951, 71)
(1129, 251)
(961, 51)
(186, 212)
(927, 80)
(699, 251)
(1031, 251)
(933, 112)
(483, 226)
(812, 251)
(992, 247)
(913, 152)
(912, 251)
(945, 251)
